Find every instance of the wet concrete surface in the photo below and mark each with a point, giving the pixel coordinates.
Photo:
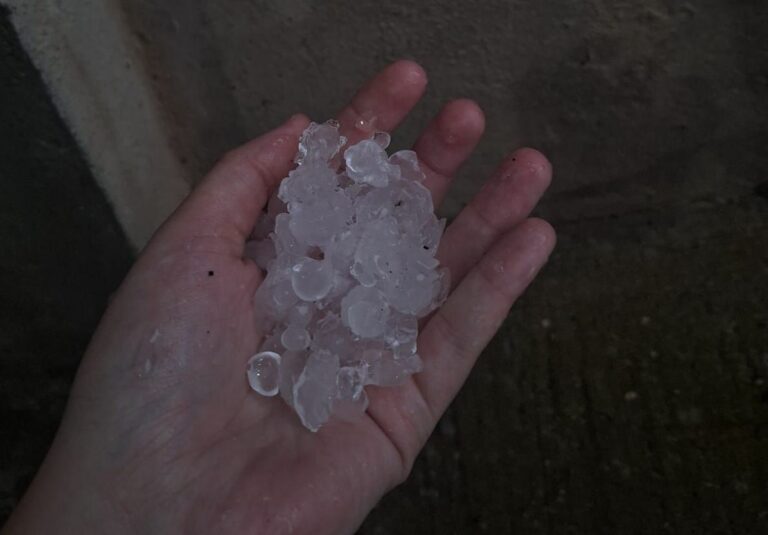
(628, 390)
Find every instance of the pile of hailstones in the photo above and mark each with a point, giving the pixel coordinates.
(349, 247)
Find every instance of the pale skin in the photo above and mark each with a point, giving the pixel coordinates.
(163, 435)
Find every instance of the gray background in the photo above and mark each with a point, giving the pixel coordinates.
(627, 391)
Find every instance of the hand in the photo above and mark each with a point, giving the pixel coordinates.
(163, 435)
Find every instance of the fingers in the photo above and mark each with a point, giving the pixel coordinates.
(447, 142)
(444, 145)
(228, 201)
(503, 202)
(383, 101)
(454, 337)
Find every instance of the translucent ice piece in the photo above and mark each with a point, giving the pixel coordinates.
(291, 365)
(300, 315)
(374, 205)
(295, 338)
(410, 295)
(331, 335)
(275, 296)
(386, 370)
(319, 143)
(350, 381)
(403, 330)
(264, 373)
(382, 139)
(413, 206)
(315, 389)
(311, 279)
(408, 163)
(284, 240)
(364, 311)
(376, 239)
(304, 184)
(316, 222)
(351, 269)
(367, 163)
(351, 399)
(341, 249)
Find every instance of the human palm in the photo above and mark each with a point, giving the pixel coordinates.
(162, 434)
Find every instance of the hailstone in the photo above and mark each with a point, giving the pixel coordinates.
(348, 244)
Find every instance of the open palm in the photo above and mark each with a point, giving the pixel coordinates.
(162, 434)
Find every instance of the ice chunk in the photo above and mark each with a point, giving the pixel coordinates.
(367, 163)
(315, 389)
(351, 399)
(365, 312)
(275, 297)
(264, 372)
(284, 240)
(384, 369)
(408, 163)
(382, 139)
(319, 143)
(402, 332)
(331, 335)
(350, 382)
(317, 221)
(295, 337)
(300, 315)
(349, 244)
(311, 279)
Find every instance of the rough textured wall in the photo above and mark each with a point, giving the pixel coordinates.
(87, 58)
(610, 90)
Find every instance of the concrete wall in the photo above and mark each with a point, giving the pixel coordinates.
(87, 57)
(623, 96)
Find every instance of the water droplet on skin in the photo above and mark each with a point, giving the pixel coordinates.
(366, 123)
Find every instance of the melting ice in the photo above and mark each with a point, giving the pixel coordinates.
(348, 243)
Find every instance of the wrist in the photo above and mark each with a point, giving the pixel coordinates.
(65, 497)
